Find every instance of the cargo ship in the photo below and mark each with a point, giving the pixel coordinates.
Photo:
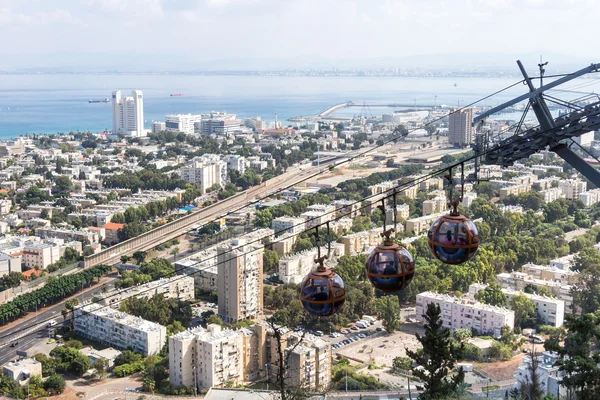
(105, 100)
(176, 94)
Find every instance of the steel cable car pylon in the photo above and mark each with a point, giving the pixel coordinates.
(551, 133)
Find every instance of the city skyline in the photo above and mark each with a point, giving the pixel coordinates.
(264, 34)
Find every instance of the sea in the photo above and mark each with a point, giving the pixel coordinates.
(54, 103)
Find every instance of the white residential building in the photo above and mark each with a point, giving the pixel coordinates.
(9, 264)
(549, 374)
(182, 122)
(421, 224)
(572, 188)
(518, 281)
(584, 140)
(552, 194)
(293, 268)
(21, 370)
(178, 287)
(118, 329)
(551, 311)
(205, 171)
(466, 313)
(128, 114)
(590, 197)
(158, 126)
(565, 263)
(435, 205)
(291, 225)
(236, 162)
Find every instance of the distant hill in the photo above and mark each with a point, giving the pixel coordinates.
(98, 62)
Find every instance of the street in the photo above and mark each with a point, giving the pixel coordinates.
(32, 329)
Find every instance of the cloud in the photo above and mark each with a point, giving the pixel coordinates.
(38, 18)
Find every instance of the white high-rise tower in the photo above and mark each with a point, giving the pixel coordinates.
(128, 114)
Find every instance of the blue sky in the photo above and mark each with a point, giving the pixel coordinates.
(114, 32)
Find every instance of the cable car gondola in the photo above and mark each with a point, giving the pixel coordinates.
(453, 238)
(322, 292)
(390, 267)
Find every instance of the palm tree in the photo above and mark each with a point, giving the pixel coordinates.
(174, 252)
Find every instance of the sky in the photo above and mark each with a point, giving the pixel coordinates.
(247, 34)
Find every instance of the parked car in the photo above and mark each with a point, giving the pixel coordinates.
(536, 339)
(345, 331)
(355, 328)
(362, 335)
(318, 333)
(379, 329)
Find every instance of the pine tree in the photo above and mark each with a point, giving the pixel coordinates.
(438, 358)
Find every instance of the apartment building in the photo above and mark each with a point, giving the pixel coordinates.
(32, 251)
(381, 188)
(158, 126)
(182, 123)
(214, 356)
(202, 268)
(309, 364)
(283, 244)
(421, 224)
(402, 212)
(410, 192)
(9, 264)
(177, 287)
(460, 129)
(565, 263)
(514, 190)
(346, 208)
(552, 194)
(548, 373)
(551, 311)
(432, 184)
(118, 329)
(290, 225)
(466, 313)
(519, 280)
(590, 197)
(205, 172)
(360, 242)
(293, 268)
(552, 272)
(5, 206)
(236, 162)
(435, 205)
(80, 235)
(240, 280)
(572, 188)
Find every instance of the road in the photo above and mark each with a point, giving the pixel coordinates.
(34, 328)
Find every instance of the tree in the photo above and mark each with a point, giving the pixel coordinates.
(524, 310)
(270, 261)
(438, 358)
(174, 251)
(578, 357)
(531, 389)
(492, 295)
(462, 334)
(125, 259)
(127, 357)
(388, 310)
(140, 256)
(100, 365)
(214, 319)
(55, 384)
(281, 364)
